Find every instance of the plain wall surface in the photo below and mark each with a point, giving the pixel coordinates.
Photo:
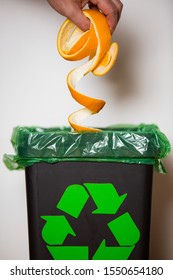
(33, 91)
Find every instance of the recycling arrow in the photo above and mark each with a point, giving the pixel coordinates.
(73, 200)
(112, 253)
(124, 230)
(127, 235)
(69, 252)
(105, 197)
(107, 201)
(56, 229)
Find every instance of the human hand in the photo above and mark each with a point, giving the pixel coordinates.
(72, 9)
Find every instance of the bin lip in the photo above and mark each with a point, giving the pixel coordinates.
(147, 130)
(141, 129)
(143, 143)
(132, 138)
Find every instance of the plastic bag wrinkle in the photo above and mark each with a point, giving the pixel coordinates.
(142, 144)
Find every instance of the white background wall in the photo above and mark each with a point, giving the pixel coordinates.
(33, 92)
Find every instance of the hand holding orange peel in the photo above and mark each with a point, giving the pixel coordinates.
(74, 44)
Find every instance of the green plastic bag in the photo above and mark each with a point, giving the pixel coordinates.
(142, 144)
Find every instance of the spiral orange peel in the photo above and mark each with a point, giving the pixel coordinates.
(74, 44)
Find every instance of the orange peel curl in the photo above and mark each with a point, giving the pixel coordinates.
(74, 44)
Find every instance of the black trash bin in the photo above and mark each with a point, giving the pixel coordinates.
(89, 194)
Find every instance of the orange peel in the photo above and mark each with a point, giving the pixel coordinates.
(74, 44)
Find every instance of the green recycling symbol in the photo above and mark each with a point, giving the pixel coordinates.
(72, 202)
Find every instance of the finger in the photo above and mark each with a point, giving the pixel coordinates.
(119, 6)
(114, 14)
(76, 15)
(111, 9)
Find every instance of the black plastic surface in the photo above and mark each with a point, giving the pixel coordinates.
(47, 182)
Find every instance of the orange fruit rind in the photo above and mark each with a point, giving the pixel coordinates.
(74, 44)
